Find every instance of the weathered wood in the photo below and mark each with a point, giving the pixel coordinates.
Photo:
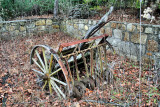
(99, 25)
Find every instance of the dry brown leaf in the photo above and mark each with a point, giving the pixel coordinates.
(10, 91)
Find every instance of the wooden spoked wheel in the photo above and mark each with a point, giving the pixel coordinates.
(46, 65)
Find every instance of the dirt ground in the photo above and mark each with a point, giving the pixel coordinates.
(17, 81)
(18, 87)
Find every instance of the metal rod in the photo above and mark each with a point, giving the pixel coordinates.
(100, 58)
(85, 64)
(91, 61)
(76, 66)
(69, 70)
(80, 41)
(105, 56)
(83, 50)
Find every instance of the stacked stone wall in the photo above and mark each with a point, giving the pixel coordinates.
(12, 29)
(125, 38)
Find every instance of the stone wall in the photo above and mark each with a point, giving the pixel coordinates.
(12, 29)
(125, 37)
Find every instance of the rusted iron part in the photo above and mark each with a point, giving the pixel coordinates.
(105, 56)
(69, 70)
(76, 65)
(85, 50)
(85, 64)
(91, 61)
(80, 41)
(84, 60)
(104, 40)
(100, 56)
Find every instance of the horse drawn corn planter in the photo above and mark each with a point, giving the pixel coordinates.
(76, 65)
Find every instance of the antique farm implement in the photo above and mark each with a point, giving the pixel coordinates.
(75, 65)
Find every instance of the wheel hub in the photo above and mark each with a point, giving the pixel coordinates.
(46, 76)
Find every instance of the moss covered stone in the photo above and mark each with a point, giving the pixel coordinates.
(56, 26)
(135, 38)
(152, 46)
(131, 27)
(40, 22)
(113, 25)
(126, 36)
(22, 28)
(48, 22)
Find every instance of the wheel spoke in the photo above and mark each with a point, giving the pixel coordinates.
(40, 59)
(50, 64)
(39, 72)
(59, 89)
(44, 85)
(61, 82)
(38, 65)
(39, 81)
(47, 65)
(50, 88)
(45, 60)
(54, 87)
(56, 71)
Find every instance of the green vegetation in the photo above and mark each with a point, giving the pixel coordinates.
(14, 8)
(138, 4)
(10, 9)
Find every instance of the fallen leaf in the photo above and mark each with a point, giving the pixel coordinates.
(10, 91)
(29, 90)
(118, 95)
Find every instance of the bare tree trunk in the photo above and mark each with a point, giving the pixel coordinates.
(55, 8)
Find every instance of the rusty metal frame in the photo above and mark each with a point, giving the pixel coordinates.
(91, 49)
(62, 60)
(79, 41)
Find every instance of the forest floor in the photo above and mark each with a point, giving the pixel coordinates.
(18, 87)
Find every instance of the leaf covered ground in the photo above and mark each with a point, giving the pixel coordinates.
(18, 85)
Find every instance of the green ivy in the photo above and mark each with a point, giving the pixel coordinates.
(96, 8)
(138, 4)
(93, 3)
(88, 1)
